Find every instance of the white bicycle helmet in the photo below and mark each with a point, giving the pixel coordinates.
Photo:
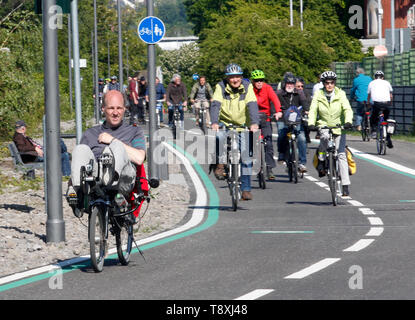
(328, 75)
(379, 73)
(233, 69)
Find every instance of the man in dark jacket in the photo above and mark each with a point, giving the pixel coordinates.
(290, 96)
(176, 96)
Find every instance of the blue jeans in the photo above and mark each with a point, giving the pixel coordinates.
(159, 107)
(283, 142)
(359, 113)
(246, 161)
(171, 113)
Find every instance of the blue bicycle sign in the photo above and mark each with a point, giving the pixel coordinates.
(151, 30)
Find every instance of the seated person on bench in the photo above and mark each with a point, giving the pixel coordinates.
(31, 151)
(122, 144)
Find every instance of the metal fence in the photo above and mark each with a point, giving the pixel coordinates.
(399, 69)
(402, 109)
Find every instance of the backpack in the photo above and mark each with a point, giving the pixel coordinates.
(292, 115)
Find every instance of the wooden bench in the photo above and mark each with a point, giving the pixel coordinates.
(18, 163)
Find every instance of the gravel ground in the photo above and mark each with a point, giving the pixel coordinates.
(23, 220)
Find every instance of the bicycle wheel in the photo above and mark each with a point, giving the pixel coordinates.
(332, 176)
(124, 242)
(261, 174)
(202, 122)
(97, 242)
(174, 130)
(380, 141)
(235, 187)
(294, 153)
(364, 131)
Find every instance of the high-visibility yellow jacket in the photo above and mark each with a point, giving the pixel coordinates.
(234, 106)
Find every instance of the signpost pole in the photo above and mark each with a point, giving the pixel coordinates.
(151, 51)
(77, 73)
(55, 225)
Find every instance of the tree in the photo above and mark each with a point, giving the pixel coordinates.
(254, 36)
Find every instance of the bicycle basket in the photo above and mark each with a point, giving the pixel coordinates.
(391, 126)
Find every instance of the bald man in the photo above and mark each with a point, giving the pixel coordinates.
(122, 145)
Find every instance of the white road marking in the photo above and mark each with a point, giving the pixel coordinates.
(375, 232)
(359, 245)
(355, 203)
(375, 221)
(313, 268)
(322, 184)
(255, 294)
(367, 211)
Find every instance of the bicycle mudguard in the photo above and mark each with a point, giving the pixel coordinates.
(141, 186)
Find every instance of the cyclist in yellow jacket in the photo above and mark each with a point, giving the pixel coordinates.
(234, 103)
(332, 107)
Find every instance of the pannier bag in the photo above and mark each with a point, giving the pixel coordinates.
(350, 161)
(292, 115)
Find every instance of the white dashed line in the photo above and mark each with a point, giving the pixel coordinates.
(255, 294)
(359, 245)
(375, 221)
(367, 211)
(355, 203)
(313, 268)
(375, 232)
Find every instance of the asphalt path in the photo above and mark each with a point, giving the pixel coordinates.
(288, 243)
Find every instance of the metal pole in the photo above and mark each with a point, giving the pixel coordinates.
(393, 26)
(55, 225)
(77, 73)
(301, 15)
(380, 10)
(97, 106)
(151, 49)
(291, 13)
(70, 62)
(120, 66)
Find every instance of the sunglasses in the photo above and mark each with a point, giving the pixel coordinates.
(259, 80)
(329, 82)
(300, 86)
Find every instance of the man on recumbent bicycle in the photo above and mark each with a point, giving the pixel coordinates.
(120, 145)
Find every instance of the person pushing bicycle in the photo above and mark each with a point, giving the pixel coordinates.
(234, 103)
(331, 106)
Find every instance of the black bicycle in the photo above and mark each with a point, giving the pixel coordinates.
(292, 152)
(366, 123)
(176, 120)
(332, 166)
(381, 134)
(263, 165)
(109, 212)
(202, 117)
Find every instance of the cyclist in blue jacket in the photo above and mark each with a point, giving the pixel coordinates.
(359, 92)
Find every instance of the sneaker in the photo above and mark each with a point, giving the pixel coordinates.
(107, 167)
(220, 172)
(74, 201)
(302, 168)
(270, 175)
(246, 195)
(346, 192)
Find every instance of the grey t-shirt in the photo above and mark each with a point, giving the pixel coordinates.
(128, 134)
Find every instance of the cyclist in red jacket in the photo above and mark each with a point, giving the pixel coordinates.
(264, 95)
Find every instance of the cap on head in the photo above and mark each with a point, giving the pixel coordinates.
(20, 123)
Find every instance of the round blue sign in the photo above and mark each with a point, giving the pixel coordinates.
(151, 30)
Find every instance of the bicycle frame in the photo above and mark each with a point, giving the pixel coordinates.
(292, 157)
(381, 134)
(366, 123)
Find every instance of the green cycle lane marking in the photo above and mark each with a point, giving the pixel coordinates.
(212, 218)
(407, 201)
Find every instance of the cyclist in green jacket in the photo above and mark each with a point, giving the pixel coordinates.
(234, 103)
(331, 106)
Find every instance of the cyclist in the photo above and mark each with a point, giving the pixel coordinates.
(160, 97)
(290, 96)
(123, 143)
(380, 92)
(331, 106)
(264, 95)
(113, 85)
(201, 94)
(359, 92)
(176, 95)
(234, 102)
(134, 90)
(299, 85)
